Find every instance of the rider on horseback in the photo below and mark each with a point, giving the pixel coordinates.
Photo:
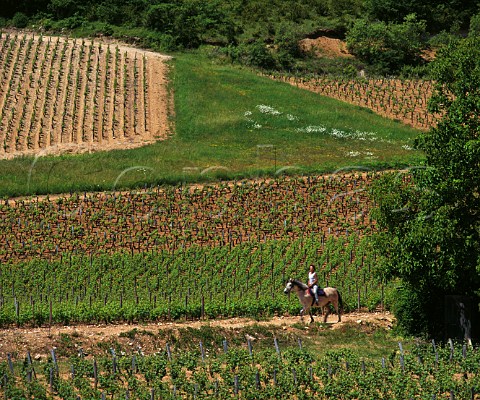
(313, 281)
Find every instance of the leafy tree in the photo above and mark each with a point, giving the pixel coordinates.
(63, 8)
(287, 45)
(387, 46)
(475, 25)
(429, 219)
(19, 20)
(440, 15)
(187, 21)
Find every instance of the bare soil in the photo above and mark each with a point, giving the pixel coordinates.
(326, 47)
(40, 340)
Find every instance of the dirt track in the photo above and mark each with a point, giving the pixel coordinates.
(39, 341)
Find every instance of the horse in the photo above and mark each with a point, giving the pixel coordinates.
(332, 296)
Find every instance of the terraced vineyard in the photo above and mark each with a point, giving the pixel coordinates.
(403, 100)
(170, 218)
(59, 95)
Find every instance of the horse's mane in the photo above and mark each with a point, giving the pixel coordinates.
(300, 284)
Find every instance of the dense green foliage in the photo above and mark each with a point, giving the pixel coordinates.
(225, 371)
(387, 46)
(440, 15)
(253, 31)
(431, 223)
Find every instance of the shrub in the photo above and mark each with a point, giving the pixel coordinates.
(387, 46)
(474, 26)
(20, 20)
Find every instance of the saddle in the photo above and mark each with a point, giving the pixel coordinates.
(320, 292)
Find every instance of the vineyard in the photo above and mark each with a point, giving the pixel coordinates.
(196, 252)
(59, 95)
(177, 217)
(222, 369)
(120, 256)
(403, 100)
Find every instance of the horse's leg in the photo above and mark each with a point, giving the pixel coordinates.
(337, 309)
(311, 315)
(302, 311)
(326, 314)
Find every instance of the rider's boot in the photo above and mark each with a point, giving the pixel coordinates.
(316, 299)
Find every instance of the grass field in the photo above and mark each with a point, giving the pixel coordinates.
(229, 123)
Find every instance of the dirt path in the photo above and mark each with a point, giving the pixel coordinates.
(39, 341)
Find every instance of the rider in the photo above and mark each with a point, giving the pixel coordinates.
(313, 282)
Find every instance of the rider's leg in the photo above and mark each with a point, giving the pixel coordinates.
(315, 292)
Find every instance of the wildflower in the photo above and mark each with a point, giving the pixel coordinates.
(353, 153)
(291, 117)
(312, 129)
(268, 110)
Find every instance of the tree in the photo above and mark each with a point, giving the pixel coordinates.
(440, 15)
(474, 25)
(387, 46)
(20, 20)
(429, 218)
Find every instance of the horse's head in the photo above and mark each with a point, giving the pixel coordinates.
(288, 286)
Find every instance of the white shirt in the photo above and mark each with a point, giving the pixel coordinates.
(311, 277)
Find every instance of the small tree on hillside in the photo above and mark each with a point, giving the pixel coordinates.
(429, 219)
(387, 46)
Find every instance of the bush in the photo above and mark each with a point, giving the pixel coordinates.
(387, 46)
(474, 26)
(443, 39)
(20, 20)
(411, 318)
(107, 30)
(254, 54)
(73, 22)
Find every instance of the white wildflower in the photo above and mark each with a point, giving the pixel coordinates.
(268, 110)
(291, 117)
(339, 134)
(353, 153)
(407, 147)
(312, 129)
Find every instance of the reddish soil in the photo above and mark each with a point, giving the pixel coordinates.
(325, 47)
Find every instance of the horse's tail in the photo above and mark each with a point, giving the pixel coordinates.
(340, 302)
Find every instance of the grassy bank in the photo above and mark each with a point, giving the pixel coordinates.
(229, 123)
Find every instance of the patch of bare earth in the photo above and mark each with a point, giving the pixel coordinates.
(326, 47)
(40, 340)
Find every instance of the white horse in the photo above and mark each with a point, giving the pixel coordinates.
(307, 300)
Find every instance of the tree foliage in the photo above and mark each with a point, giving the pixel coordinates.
(439, 15)
(387, 46)
(429, 218)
